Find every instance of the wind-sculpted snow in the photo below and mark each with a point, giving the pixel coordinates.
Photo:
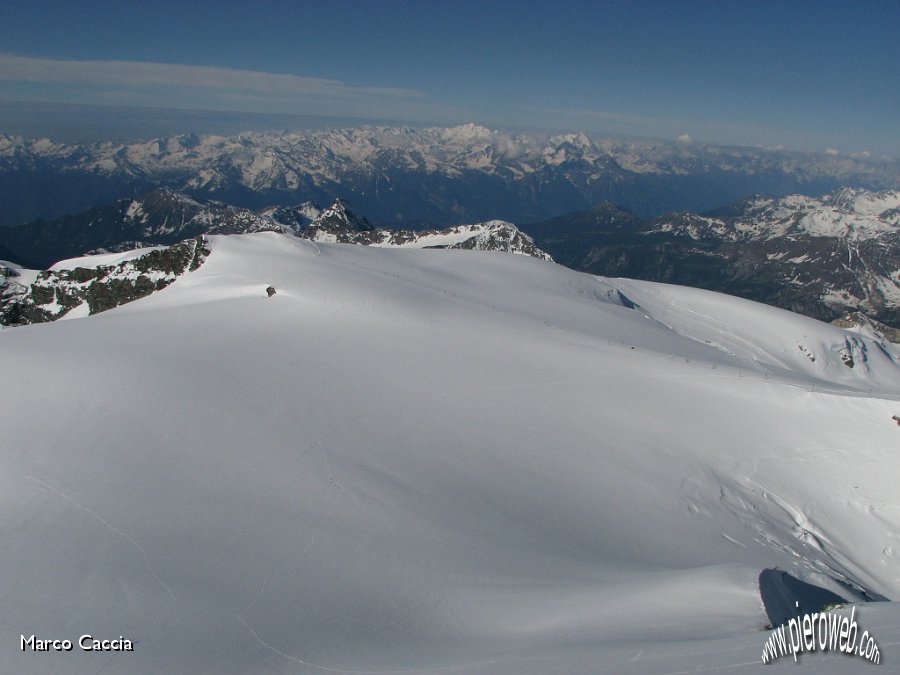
(434, 461)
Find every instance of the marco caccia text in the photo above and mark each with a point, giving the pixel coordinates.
(87, 643)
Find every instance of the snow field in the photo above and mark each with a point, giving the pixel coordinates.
(433, 461)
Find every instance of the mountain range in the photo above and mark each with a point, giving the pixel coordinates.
(412, 178)
(164, 217)
(132, 248)
(822, 257)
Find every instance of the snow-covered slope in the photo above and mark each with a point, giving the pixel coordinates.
(432, 461)
(493, 235)
(338, 224)
(850, 214)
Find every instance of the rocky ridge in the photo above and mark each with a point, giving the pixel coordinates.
(91, 285)
(164, 217)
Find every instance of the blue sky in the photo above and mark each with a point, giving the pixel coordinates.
(806, 75)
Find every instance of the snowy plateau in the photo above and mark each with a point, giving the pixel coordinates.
(437, 461)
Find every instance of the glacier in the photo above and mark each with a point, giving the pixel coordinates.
(436, 461)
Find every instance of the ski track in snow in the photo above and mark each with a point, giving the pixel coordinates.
(111, 527)
(410, 671)
(154, 622)
(313, 245)
(331, 479)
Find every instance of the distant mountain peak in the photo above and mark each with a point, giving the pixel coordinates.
(338, 219)
(293, 218)
(609, 207)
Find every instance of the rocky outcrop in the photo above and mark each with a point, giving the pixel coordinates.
(29, 296)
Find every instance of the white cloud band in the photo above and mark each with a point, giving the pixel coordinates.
(137, 74)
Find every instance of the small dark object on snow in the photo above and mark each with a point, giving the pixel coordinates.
(271, 291)
(896, 418)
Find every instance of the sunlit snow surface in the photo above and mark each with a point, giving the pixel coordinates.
(436, 461)
(104, 259)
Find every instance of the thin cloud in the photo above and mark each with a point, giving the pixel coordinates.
(614, 122)
(590, 114)
(749, 133)
(139, 74)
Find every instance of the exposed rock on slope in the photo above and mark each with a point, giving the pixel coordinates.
(339, 224)
(92, 285)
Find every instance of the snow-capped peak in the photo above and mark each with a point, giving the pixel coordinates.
(338, 218)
